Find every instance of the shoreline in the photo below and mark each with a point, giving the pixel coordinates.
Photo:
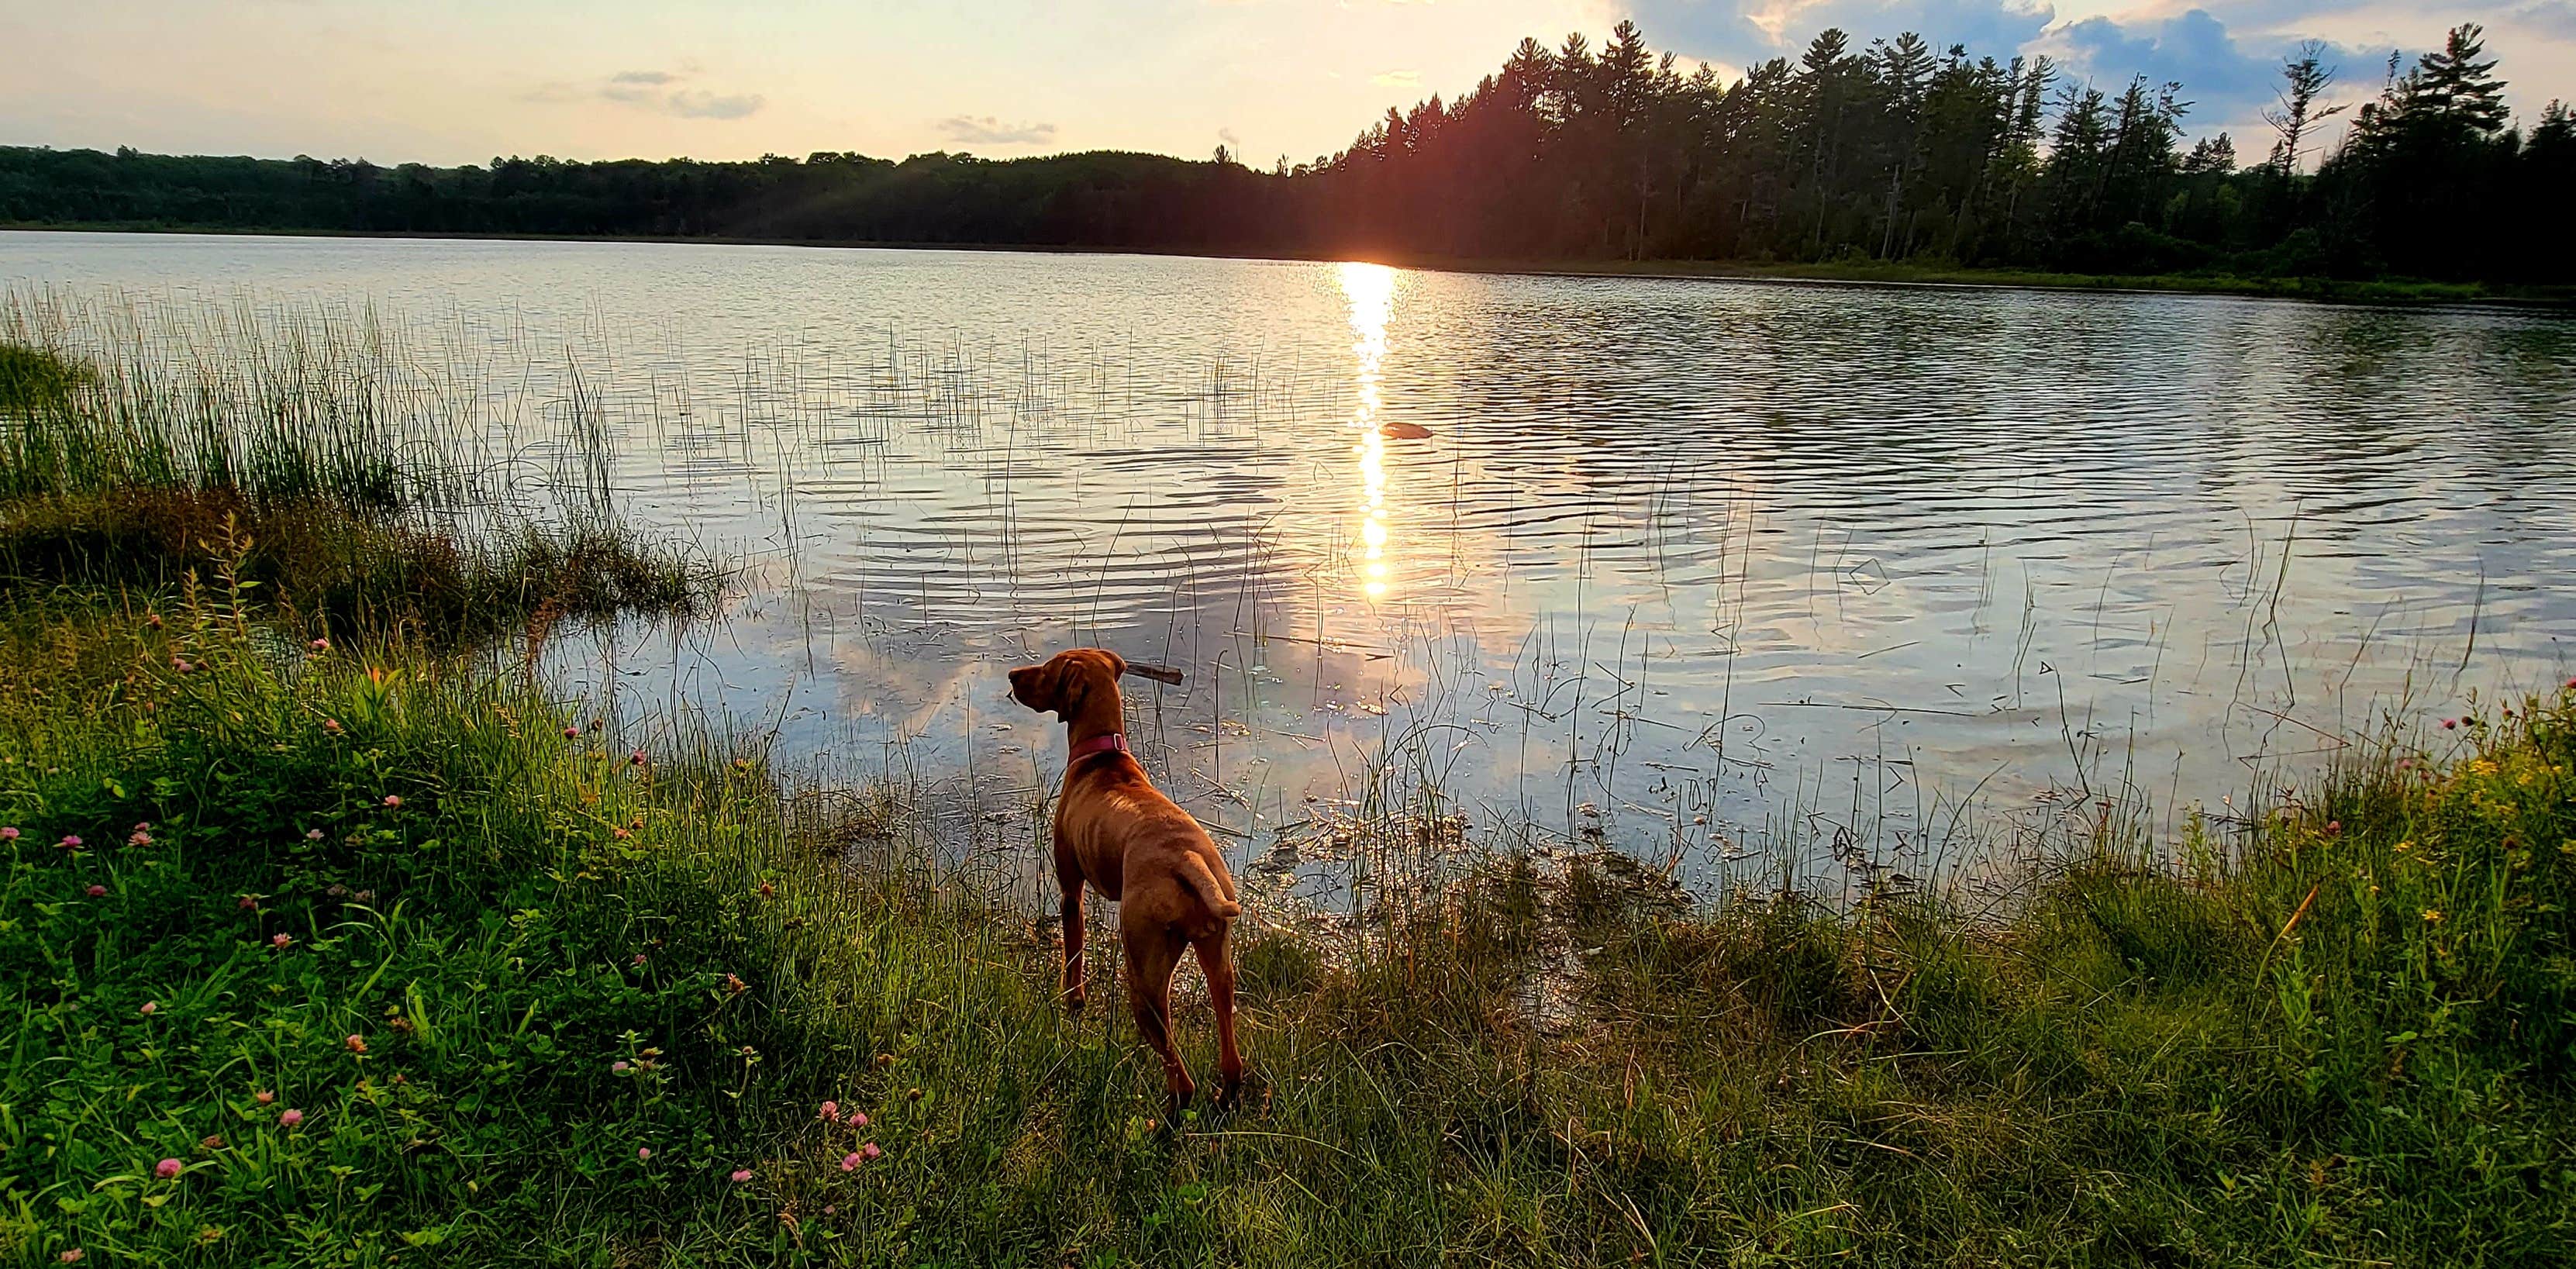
(1888, 274)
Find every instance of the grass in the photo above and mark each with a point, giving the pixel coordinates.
(330, 570)
(538, 992)
(304, 449)
(2340, 1032)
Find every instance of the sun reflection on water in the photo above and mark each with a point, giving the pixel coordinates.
(1371, 291)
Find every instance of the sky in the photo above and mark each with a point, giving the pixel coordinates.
(463, 81)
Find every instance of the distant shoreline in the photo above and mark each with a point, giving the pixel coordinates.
(1859, 273)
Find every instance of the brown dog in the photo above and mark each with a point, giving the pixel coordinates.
(1115, 830)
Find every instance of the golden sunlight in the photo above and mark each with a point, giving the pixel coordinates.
(1371, 291)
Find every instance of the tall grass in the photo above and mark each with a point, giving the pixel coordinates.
(2342, 1036)
(346, 471)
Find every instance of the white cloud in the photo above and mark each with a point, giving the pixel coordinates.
(987, 130)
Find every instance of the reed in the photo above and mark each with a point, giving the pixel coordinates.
(516, 959)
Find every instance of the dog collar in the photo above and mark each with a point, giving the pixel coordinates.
(1097, 744)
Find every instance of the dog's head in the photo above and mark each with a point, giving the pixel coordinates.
(1068, 681)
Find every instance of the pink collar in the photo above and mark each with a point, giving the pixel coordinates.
(1097, 744)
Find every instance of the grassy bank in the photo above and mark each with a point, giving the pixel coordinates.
(327, 942)
(339, 503)
(534, 1000)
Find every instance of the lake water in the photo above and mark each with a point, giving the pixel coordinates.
(1723, 574)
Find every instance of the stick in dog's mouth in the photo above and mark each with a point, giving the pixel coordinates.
(1159, 674)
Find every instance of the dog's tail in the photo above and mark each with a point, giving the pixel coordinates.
(1194, 873)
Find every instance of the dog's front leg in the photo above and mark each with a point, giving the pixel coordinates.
(1071, 984)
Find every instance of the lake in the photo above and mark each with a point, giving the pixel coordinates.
(1735, 577)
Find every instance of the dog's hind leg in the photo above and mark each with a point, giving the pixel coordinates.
(1074, 994)
(1216, 960)
(1152, 955)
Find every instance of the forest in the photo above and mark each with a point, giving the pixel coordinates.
(1890, 151)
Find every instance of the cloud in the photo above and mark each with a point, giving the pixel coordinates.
(2226, 76)
(1397, 79)
(704, 105)
(1744, 32)
(2553, 18)
(654, 90)
(987, 130)
(2228, 80)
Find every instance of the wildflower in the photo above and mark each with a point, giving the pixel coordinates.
(2450, 724)
(767, 890)
(394, 801)
(2571, 685)
(337, 890)
(831, 1110)
(572, 733)
(735, 985)
(635, 759)
(249, 901)
(263, 1097)
(2432, 916)
(290, 1118)
(9, 834)
(321, 645)
(331, 725)
(139, 838)
(741, 1175)
(2334, 828)
(639, 960)
(885, 1060)
(167, 1169)
(620, 834)
(97, 892)
(215, 1142)
(619, 1067)
(152, 619)
(151, 1007)
(281, 940)
(365, 896)
(643, 1154)
(870, 1152)
(858, 1119)
(72, 842)
(180, 664)
(356, 1043)
(313, 834)
(71, 1257)
(850, 1162)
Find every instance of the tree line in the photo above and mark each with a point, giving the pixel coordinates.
(1891, 151)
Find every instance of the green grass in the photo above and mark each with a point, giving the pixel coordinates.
(491, 958)
(2341, 1035)
(331, 571)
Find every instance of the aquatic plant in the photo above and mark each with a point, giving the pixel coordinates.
(741, 1032)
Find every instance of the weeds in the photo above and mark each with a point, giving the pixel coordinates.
(532, 998)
